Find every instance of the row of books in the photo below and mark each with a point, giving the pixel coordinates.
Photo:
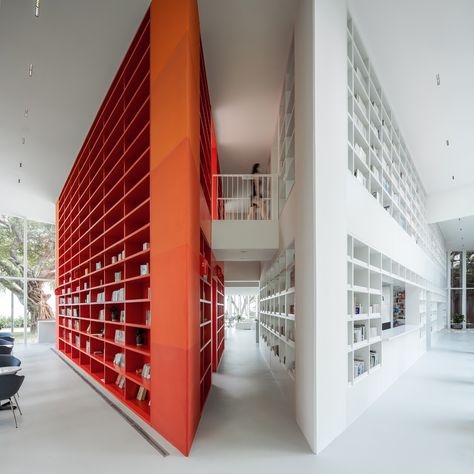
(118, 295)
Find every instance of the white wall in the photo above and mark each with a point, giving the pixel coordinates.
(330, 126)
(241, 271)
(451, 204)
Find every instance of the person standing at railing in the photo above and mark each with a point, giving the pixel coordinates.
(256, 210)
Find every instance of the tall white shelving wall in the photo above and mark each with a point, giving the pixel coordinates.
(377, 154)
(277, 309)
(286, 134)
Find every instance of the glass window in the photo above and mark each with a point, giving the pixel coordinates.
(456, 305)
(470, 269)
(39, 274)
(470, 309)
(11, 307)
(11, 246)
(456, 269)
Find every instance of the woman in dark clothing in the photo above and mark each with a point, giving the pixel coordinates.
(256, 197)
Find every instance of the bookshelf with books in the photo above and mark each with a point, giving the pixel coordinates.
(103, 239)
(218, 326)
(277, 309)
(367, 271)
(378, 156)
(205, 303)
(128, 242)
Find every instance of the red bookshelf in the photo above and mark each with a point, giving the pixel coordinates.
(218, 330)
(130, 232)
(103, 234)
(205, 304)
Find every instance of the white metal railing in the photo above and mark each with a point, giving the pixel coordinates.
(240, 197)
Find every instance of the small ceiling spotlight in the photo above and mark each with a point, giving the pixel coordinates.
(447, 142)
(452, 177)
(30, 70)
(438, 80)
(19, 180)
(26, 113)
(37, 8)
(23, 140)
(21, 164)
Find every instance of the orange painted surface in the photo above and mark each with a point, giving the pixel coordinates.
(175, 216)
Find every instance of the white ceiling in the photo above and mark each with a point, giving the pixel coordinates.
(246, 45)
(410, 42)
(75, 48)
(459, 233)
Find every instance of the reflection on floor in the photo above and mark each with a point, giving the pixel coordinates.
(424, 423)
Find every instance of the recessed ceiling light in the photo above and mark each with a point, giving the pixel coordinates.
(21, 164)
(19, 180)
(23, 140)
(37, 8)
(26, 113)
(30, 70)
(438, 80)
(447, 142)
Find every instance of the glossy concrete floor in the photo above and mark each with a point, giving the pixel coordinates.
(422, 424)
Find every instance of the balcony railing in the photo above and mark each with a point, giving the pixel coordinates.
(240, 197)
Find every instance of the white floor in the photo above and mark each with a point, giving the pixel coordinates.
(423, 424)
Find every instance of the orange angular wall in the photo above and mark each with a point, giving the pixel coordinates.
(175, 219)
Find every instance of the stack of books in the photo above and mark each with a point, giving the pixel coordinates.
(141, 394)
(120, 381)
(146, 371)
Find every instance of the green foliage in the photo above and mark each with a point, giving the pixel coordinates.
(458, 318)
(6, 322)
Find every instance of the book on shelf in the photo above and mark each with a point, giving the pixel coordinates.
(141, 394)
(88, 330)
(360, 152)
(146, 371)
(119, 359)
(102, 315)
(144, 269)
(88, 298)
(359, 367)
(360, 177)
(98, 265)
(117, 276)
(118, 295)
(146, 246)
(120, 381)
(374, 358)
(119, 336)
(78, 341)
(75, 312)
(113, 259)
(359, 333)
(148, 317)
(122, 316)
(85, 285)
(100, 297)
(88, 347)
(96, 353)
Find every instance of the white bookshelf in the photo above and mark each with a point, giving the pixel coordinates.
(366, 269)
(377, 154)
(364, 304)
(277, 308)
(286, 134)
(422, 314)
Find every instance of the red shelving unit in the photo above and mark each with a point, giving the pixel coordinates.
(205, 305)
(218, 330)
(130, 229)
(103, 235)
(206, 134)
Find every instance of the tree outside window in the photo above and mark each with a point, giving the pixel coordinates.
(39, 271)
